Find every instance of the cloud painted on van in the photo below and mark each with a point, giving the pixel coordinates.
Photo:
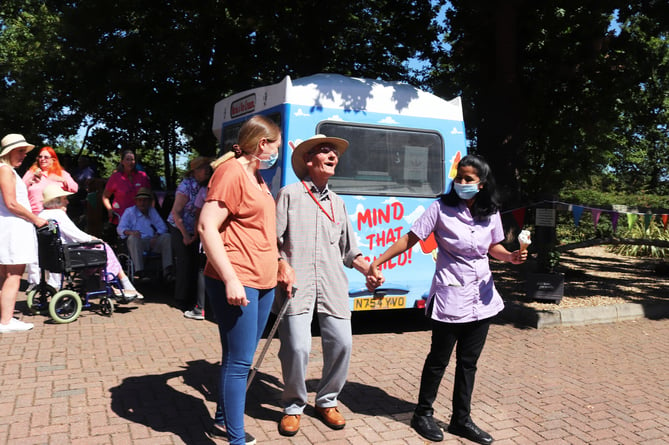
(336, 118)
(455, 131)
(299, 112)
(360, 208)
(413, 216)
(388, 120)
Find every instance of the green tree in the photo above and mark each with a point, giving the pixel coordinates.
(640, 154)
(546, 88)
(146, 74)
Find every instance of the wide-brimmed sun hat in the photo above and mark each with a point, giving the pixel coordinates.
(144, 192)
(299, 166)
(53, 191)
(14, 141)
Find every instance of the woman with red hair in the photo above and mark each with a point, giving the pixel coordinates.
(46, 170)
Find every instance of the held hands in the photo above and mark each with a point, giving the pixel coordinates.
(374, 278)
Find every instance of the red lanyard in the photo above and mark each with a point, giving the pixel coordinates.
(331, 218)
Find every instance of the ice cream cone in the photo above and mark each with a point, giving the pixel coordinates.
(524, 239)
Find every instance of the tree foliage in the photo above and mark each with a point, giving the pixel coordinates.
(555, 92)
(547, 85)
(146, 75)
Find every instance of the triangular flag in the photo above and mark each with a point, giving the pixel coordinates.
(596, 213)
(647, 217)
(578, 211)
(631, 219)
(519, 216)
(665, 219)
(614, 220)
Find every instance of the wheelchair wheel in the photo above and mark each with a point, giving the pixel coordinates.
(107, 306)
(127, 265)
(37, 303)
(65, 306)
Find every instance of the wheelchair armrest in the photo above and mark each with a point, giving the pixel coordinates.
(88, 244)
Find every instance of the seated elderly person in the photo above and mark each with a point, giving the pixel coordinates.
(145, 231)
(55, 208)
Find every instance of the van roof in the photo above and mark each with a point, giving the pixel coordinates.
(338, 92)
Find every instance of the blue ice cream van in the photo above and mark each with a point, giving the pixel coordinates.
(404, 147)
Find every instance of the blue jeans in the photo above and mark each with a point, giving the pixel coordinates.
(240, 328)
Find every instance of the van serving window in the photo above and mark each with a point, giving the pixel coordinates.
(387, 160)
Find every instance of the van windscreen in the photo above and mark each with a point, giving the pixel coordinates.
(387, 160)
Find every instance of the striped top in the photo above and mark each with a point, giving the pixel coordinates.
(316, 247)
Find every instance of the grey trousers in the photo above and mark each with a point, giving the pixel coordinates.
(337, 342)
(137, 246)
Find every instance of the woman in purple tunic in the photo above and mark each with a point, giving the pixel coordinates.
(463, 299)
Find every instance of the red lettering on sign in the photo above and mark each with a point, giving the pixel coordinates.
(243, 105)
(372, 217)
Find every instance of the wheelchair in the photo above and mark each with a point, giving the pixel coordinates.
(82, 266)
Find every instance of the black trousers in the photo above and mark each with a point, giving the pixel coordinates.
(186, 259)
(470, 339)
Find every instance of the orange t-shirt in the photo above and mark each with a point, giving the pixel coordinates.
(249, 234)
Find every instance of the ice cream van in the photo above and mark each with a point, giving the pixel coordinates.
(404, 146)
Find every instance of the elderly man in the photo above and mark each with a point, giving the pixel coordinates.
(314, 237)
(145, 231)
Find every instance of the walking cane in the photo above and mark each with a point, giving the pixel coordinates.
(270, 336)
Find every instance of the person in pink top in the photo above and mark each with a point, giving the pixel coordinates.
(463, 300)
(45, 171)
(123, 185)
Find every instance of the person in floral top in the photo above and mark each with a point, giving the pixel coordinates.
(185, 240)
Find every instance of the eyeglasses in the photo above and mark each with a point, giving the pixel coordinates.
(44, 157)
(323, 149)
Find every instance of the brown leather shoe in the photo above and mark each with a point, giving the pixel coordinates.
(331, 417)
(289, 425)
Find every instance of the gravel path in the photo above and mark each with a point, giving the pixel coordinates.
(593, 277)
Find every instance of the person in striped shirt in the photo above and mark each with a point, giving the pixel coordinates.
(315, 237)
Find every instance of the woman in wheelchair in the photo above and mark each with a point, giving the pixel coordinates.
(55, 207)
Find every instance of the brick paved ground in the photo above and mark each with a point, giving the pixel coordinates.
(147, 375)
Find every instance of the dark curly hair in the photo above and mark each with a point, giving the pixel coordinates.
(486, 202)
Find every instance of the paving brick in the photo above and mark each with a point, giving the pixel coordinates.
(147, 375)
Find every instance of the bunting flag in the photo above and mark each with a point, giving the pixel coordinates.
(596, 213)
(614, 221)
(519, 216)
(647, 218)
(578, 211)
(161, 197)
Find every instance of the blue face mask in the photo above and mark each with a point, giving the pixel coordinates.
(466, 191)
(267, 163)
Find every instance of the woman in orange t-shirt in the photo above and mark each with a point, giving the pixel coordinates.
(237, 227)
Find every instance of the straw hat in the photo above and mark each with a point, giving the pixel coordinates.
(144, 192)
(13, 141)
(53, 191)
(299, 166)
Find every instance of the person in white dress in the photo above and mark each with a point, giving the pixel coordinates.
(18, 239)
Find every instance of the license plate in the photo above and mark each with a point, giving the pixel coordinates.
(373, 304)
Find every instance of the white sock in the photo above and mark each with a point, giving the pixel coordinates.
(127, 285)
